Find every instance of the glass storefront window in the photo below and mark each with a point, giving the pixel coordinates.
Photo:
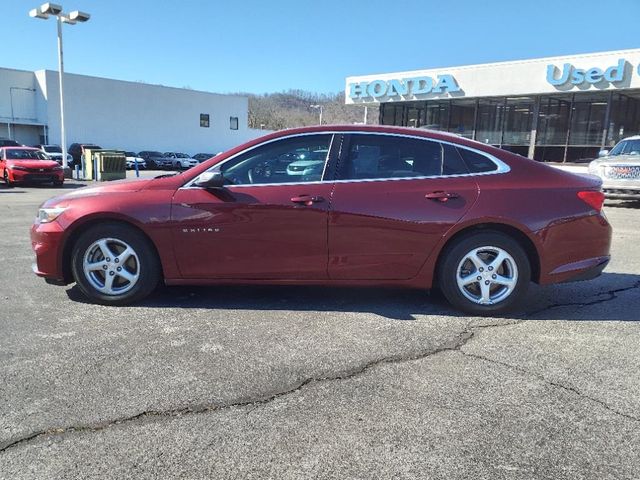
(490, 117)
(462, 117)
(437, 116)
(624, 119)
(587, 119)
(553, 120)
(518, 117)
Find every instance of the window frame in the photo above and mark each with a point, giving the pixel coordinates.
(205, 117)
(340, 144)
(501, 167)
(237, 120)
(328, 173)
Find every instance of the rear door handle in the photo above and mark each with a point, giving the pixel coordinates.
(441, 196)
(307, 200)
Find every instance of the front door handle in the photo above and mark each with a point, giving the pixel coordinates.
(307, 200)
(441, 196)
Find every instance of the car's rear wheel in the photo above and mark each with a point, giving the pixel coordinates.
(485, 273)
(114, 264)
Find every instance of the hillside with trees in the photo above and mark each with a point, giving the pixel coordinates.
(275, 111)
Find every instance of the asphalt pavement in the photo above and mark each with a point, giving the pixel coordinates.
(308, 382)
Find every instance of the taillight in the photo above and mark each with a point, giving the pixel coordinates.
(592, 198)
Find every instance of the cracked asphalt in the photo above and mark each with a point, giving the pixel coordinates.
(305, 382)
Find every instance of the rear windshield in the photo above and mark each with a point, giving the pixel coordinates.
(52, 149)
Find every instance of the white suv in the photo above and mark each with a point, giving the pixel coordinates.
(619, 169)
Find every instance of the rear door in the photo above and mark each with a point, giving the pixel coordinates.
(393, 200)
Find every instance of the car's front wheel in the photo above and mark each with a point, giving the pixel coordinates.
(485, 273)
(114, 264)
(6, 179)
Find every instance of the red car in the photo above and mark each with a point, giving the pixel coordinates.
(28, 165)
(390, 206)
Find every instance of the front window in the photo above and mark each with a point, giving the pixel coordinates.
(383, 156)
(17, 154)
(290, 160)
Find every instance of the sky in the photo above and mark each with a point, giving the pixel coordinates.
(270, 46)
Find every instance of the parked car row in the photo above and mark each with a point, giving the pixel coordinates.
(145, 159)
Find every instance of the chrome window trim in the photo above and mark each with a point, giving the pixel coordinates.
(501, 166)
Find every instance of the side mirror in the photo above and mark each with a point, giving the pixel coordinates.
(210, 180)
(603, 153)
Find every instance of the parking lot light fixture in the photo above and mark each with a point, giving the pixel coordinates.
(44, 12)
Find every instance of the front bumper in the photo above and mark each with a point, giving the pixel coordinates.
(25, 176)
(622, 193)
(46, 242)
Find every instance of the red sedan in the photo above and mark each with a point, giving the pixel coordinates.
(364, 206)
(28, 165)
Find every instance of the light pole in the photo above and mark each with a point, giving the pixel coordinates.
(43, 12)
(320, 107)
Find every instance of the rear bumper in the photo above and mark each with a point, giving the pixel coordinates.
(586, 269)
(572, 250)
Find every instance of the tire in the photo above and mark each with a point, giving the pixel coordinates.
(8, 182)
(104, 247)
(472, 261)
(58, 183)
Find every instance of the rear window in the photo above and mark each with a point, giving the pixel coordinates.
(476, 162)
(387, 156)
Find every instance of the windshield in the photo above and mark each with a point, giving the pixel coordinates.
(182, 155)
(626, 147)
(130, 154)
(18, 154)
(52, 149)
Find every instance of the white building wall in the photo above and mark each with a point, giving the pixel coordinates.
(137, 116)
(21, 114)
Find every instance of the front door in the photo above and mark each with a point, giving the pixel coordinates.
(394, 199)
(268, 222)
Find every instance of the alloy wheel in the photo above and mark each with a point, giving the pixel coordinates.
(111, 266)
(487, 275)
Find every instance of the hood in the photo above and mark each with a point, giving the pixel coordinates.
(33, 163)
(115, 187)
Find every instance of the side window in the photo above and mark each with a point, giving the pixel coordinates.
(476, 162)
(290, 160)
(386, 156)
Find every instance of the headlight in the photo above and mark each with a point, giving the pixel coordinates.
(48, 215)
(593, 168)
(16, 167)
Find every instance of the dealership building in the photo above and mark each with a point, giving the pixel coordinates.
(118, 114)
(551, 109)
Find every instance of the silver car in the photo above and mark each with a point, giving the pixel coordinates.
(619, 169)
